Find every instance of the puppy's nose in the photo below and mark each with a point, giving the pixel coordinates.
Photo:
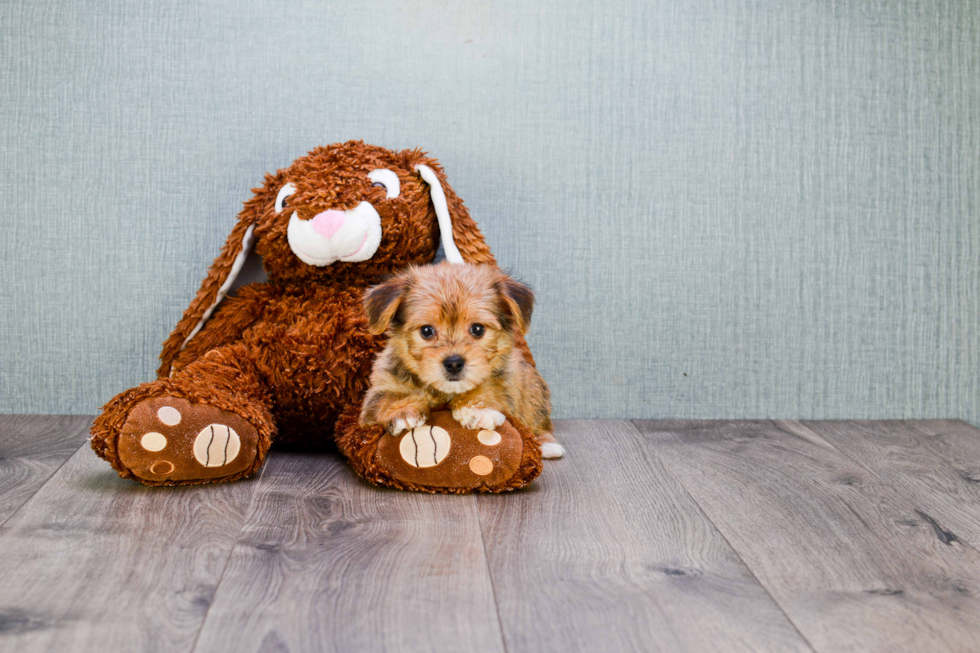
(454, 364)
(328, 223)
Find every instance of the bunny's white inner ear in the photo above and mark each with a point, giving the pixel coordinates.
(248, 240)
(442, 213)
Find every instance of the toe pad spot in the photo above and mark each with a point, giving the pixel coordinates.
(162, 467)
(480, 465)
(489, 438)
(169, 415)
(153, 441)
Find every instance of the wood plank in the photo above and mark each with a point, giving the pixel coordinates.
(606, 551)
(93, 562)
(934, 464)
(839, 548)
(32, 448)
(328, 562)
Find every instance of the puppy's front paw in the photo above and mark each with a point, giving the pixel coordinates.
(472, 417)
(406, 422)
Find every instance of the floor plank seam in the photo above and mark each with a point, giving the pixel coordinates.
(779, 607)
(493, 587)
(54, 473)
(944, 535)
(913, 425)
(231, 553)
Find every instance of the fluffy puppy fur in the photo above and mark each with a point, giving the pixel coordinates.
(456, 339)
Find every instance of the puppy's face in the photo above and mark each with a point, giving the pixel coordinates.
(451, 326)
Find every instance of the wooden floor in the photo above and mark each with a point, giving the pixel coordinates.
(648, 536)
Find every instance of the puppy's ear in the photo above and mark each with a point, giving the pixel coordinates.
(223, 273)
(381, 302)
(518, 301)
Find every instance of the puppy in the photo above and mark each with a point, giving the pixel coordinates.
(456, 338)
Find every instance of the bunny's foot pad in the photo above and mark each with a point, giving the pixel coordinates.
(172, 441)
(442, 456)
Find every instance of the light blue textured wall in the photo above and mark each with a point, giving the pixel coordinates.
(738, 208)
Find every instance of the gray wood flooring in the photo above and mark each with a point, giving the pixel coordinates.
(648, 536)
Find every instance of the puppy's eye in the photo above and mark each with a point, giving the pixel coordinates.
(427, 332)
(477, 330)
(284, 193)
(386, 179)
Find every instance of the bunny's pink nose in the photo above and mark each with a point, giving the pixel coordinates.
(328, 223)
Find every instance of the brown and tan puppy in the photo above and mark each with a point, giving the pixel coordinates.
(456, 339)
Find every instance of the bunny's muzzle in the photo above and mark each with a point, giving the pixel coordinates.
(332, 235)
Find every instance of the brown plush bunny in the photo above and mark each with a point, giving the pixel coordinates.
(282, 359)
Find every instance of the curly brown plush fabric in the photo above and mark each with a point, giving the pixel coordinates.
(288, 355)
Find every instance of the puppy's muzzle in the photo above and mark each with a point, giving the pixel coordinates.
(454, 366)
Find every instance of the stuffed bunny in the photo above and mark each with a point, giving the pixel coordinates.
(282, 359)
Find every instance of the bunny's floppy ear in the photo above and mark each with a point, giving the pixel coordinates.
(220, 280)
(461, 238)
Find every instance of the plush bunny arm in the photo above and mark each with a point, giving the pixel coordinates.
(212, 291)
(233, 317)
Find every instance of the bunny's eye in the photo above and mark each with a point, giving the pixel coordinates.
(284, 193)
(387, 179)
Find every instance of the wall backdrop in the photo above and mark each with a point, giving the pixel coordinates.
(728, 208)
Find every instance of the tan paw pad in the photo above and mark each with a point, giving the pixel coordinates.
(425, 446)
(216, 445)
